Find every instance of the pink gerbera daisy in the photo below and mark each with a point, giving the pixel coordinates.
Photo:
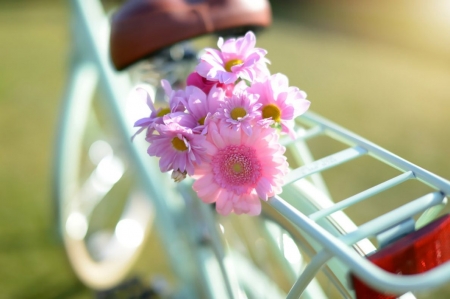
(237, 58)
(177, 146)
(242, 169)
(281, 103)
(241, 111)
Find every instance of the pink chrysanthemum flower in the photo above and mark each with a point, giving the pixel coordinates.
(241, 111)
(180, 118)
(237, 58)
(175, 105)
(177, 146)
(194, 79)
(242, 169)
(156, 114)
(175, 97)
(227, 88)
(201, 106)
(281, 103)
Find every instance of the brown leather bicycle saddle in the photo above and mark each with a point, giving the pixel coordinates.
(142, 27)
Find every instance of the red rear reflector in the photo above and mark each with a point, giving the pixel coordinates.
(415, 253)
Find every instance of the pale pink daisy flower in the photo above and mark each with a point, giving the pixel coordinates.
(241, 86)
(178, 147)
(240, 111)
(227, 88)
(262, 71)
(242, 169)
(237, 58)
(202, 106)
(281, 103)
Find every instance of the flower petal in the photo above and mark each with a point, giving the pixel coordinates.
(224, 205)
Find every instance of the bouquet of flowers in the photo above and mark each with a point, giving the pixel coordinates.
(223, 128)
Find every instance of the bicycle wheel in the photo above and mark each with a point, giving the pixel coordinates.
(106, 213)
(105, 188)
(110, 196)
(92, 170)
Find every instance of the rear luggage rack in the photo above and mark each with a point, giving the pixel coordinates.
(397, 222)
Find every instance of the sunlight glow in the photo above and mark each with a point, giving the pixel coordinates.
(290, 250)
(222, 229)
(99, 150)
(129, 233)
(109, 170)
(76, 226)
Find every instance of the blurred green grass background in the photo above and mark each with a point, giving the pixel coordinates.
(381, 69)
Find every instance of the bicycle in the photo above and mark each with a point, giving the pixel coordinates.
(302, 231)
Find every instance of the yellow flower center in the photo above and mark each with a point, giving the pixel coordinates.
(163, 112)
(273, 111)
(231, 63)
(237, 167)
(202, 120)
(238, 112)
(179, 144)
